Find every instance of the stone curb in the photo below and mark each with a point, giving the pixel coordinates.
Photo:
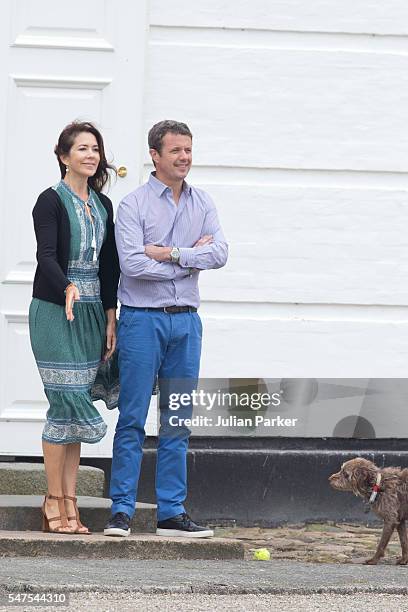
(29, 479)
(97, 546)
(22, 513)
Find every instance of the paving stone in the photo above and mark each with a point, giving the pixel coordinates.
(317, 543)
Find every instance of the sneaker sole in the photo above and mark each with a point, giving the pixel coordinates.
(175, 533)
(115, 531)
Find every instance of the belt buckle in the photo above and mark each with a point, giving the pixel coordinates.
(175, 309)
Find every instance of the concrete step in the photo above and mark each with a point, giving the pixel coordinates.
(29, 479)
(98, 546)
(22, 513)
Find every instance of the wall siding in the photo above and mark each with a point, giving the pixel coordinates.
(300, 122)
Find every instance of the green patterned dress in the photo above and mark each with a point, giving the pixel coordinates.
(68, 353)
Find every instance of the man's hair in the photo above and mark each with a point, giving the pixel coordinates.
(159, 130)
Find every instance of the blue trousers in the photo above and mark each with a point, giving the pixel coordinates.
(150, 344)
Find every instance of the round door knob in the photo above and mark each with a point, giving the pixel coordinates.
(122, 171)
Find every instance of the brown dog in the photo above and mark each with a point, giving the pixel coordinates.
(386, 491)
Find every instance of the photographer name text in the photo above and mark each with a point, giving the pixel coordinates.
(232, 421)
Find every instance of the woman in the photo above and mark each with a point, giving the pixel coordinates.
(73, 312)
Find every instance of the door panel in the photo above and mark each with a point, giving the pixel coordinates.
(86, 63)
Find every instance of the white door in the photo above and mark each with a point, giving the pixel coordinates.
(58, 62)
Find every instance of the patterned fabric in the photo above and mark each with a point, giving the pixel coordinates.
(106, 385)
(83, 265)
(67, 376)
(68, 354)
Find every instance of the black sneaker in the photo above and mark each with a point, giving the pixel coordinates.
(118, 525)
(182, 525)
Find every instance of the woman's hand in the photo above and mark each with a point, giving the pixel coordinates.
(71, 296)
(110, 333)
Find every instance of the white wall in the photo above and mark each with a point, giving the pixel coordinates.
(299, 113)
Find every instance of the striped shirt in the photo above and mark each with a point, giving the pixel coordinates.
(149, 215)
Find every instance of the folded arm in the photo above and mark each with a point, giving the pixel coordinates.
(209, 256)
(130, 244)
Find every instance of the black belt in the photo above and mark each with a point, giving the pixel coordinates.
(168, 309)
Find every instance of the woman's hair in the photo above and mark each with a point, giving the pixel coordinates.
(64, 145)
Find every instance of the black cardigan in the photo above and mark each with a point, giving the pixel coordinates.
(52, 230)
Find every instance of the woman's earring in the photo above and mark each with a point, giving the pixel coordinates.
(66, 168)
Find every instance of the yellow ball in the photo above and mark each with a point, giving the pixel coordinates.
(262, 554)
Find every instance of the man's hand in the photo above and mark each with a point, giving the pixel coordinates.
(204, 240)
(110, 333)
(158, 253)
(71, 296)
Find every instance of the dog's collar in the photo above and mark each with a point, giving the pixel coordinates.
(375, 490)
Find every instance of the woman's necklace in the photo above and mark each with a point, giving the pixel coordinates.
(87, 208)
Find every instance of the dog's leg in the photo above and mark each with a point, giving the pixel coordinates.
(382, 545)
(403, 536)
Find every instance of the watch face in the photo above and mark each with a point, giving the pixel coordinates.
(175, 254)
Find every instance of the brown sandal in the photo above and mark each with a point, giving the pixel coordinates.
(62, 517)
(76, 517)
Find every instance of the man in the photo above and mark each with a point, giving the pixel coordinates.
(166, 233)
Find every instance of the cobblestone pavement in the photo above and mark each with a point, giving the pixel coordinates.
(315, 542)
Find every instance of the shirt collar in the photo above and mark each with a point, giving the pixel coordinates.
(159, 188)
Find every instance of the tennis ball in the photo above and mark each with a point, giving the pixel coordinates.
(262, 554)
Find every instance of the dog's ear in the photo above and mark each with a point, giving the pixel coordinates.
(361, 478)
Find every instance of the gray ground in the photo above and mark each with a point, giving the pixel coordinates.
(212, 577)
(312, 567)
(240, 603)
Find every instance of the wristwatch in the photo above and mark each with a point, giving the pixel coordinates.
(175, 255)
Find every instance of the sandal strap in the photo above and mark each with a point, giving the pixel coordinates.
(62, 516)
(54, 518)
(80, 525)
(74, 500)
(76, 517)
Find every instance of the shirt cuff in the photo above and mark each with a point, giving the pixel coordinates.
(187, 257)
